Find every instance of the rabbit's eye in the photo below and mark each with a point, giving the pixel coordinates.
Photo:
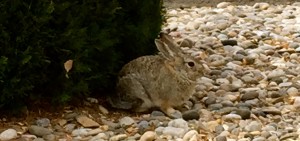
(191, 64)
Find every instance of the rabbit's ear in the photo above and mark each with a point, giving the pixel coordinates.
(164, 49)
(172, 45)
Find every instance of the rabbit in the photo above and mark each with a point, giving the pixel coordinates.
(165, 81)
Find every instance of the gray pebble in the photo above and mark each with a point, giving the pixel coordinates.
(221, 138)
(210, 100)
(227, 103)
(253, 126)
(219, 129)
(178, 123)
(126, 122)
(70, 116)
(190, 115)
(50, 137)
(271, 110)
(43, 122)
(227, 110)
(39, 131)
(215, 106)
(245, 113)
(39, 139)
(250, 95)
(81, 132)
(229, 42)
(143, 126)
(157, 113)
(174, 131)
(244, 105)
(111, 125)
(70, 127)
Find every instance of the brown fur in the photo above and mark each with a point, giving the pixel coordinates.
(164, 81)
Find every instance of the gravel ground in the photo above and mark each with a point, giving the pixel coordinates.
(251, 92)
(200, 3)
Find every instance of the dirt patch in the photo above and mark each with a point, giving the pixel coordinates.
(200, 3)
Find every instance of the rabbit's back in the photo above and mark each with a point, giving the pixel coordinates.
(145, 65)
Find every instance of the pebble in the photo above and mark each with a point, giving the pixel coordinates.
(148, 136)
(100, 136)
(229, 42)
(297, 102)
(250, 95)
(292, 91)
(39, 139)
(86, 122)
(8, 134)
(118, 137)
(81, 132)
(174, 131)
(231, 117)
(253, 126)
(157, 113)
(178, 123)
(272, 110)
(189, 135)
(103, 110)
(190, 115)
(245, 113)
(94, 132)
(39, 131)
(126, 122)
(70, 127)
(43, 122)
(221, 138)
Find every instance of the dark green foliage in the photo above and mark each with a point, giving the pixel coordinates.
(141, 23)
(37, 37)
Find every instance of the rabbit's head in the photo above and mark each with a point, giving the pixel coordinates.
(183, 65)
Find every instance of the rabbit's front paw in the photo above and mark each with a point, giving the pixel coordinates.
(172, 113)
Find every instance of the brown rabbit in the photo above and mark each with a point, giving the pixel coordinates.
(165, 80)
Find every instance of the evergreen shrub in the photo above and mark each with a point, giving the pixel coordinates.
(38, 37)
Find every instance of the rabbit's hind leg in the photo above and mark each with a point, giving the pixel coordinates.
(134, 89)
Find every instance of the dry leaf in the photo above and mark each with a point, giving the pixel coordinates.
(68, 65)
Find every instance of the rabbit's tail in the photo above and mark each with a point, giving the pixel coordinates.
(116, 102)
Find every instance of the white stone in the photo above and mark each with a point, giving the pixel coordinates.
(261, 6)
(118, 137)
(297, 102)
(223, 4)
(100, 136)
(81, 132)
(178, 123)
(232, 117)
(173, 12)
(253, 126)
(148, 136)
(192, 26)
(292, 91)
(276, 73)
(173, 131)
(189, 135)
(94, 132)
(8, 135)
